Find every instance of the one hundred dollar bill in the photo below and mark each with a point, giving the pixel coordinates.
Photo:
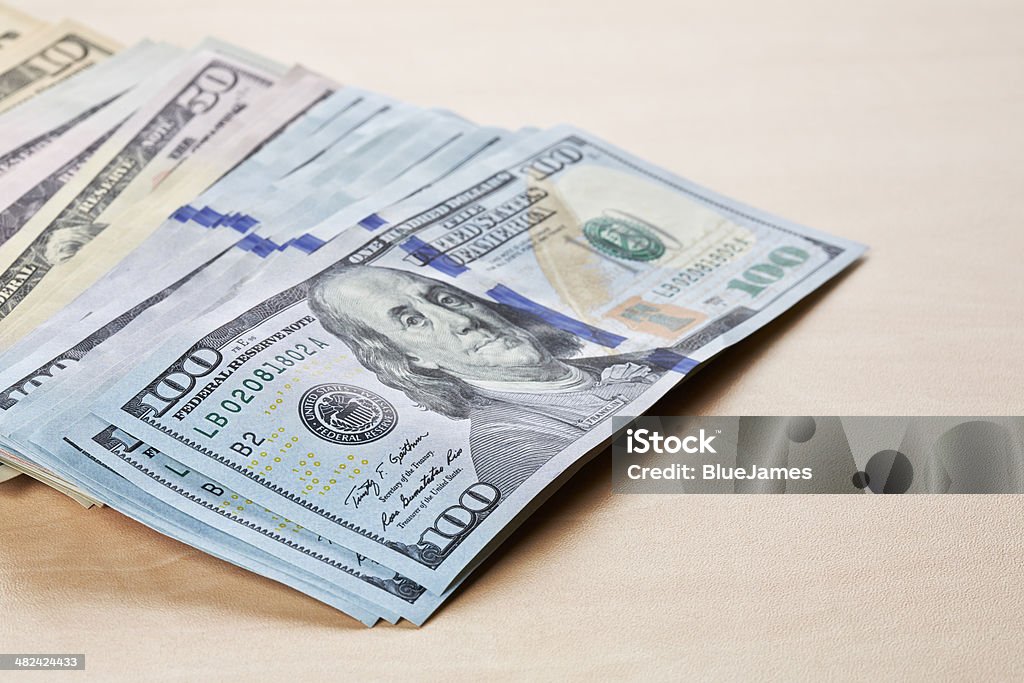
(411, 387)
(210, 503)
(204, 499)
(168, 520)
(56, 351)
(451, 156)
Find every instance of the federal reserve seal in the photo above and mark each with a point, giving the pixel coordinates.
(623, 238)
(344, 414)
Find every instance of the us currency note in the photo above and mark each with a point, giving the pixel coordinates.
(303, 142)
(35, 125)
(243, 141)
(30, 190)
(20, 152)
(261, 118)
(411, 601)
(198, 231)
(475, 146)
(14, 26)
(47, 57)
(352, 170)
(195, 105)
(53, 353)
(7, 472)
(242, 266)
(299, 197)
(103, 188)
(62, 342)
(360, 129)
(411, 389)
(15, 464)
(210, 503)
(59, 347)
(205, 499)
(48, 168)
(31, 196)
(152, 512)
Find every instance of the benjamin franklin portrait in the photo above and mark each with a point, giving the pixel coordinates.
(514, 376)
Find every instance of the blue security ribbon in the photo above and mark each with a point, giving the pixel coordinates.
(239, 221)
(184, 214)
(504, 295)
(431, 256)
(208, 217)
(372, 222)
(249, 242)
(670, 360)
(307, 243)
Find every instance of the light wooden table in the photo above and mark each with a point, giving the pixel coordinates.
(896, 123)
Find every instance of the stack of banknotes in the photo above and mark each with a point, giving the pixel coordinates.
(340, 340)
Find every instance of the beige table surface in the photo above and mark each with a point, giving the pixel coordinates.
(896, 123)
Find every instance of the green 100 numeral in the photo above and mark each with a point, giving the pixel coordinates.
(757, 277)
